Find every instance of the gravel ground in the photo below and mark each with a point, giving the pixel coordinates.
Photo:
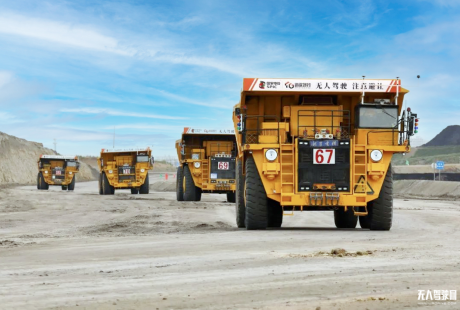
(80, 250)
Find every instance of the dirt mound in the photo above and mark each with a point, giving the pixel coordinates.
(163, 186)
(18, 161)
(449, 136)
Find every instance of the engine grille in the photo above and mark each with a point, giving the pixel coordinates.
(217, 165)
(310, 174)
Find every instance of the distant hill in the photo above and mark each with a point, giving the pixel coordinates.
(449, 136)
(18, 161)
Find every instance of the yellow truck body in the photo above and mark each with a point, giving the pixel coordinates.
(124, 169)
(206, 163)
(57, 170)
(319, 144)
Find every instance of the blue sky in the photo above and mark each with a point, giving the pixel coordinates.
(74, 70)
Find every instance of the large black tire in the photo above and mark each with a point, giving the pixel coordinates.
(64, 188)
(198, 193)
(275, 213)
(180, 184)
(145, 188)
(255, 198)
(344, 219)
(71, 186)
(107, 189)
(239, 203)
(41, 182)
(364, 220)
(192, 192)
(134, 191)
(381, 209)
(100, 184)
(231, 197)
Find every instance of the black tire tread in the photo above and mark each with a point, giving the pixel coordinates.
(344, 219)
(256, 198)
(145, 188)
(190, 190)
(180, 184)
(381, 209)
(240, 208)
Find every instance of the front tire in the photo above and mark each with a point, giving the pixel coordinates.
(64, 188)
(191, 192)
(71, 186)
(42, 185)
(145, 188)
(255, 198)
(344, 219)
(134, 191)
(275, 213)
(101, 192)
(180, 184)
(381, 209)
(107, 189)
(231, 197)
(239, 203)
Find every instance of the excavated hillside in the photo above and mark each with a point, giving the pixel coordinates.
(449, 136)
(18, 161)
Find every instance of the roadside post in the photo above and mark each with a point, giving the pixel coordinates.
(433, 165)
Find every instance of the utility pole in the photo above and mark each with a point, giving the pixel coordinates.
(55, 145)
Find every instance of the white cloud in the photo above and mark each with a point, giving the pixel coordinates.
(5, 78)
(117, 113)
(60, 32)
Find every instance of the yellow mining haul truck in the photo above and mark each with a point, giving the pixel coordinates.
(124, 169)
(319, 144)
(57, 170)
(207, 164)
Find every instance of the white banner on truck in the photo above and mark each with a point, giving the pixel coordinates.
(322, 85)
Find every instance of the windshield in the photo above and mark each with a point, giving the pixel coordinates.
(71, 164)
(378, 117)
(142, 159)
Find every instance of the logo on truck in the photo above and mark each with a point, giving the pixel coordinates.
(262, 85)
(289, 85)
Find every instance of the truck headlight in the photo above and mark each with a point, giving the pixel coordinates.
(70, 172)
(110, 171)
(271, 154)
(197, 164)
(142, 170)
(376, 155)
(46, 171)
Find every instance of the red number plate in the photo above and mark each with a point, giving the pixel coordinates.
(126, 171)
(324, 156)
(222, 165)
(58, 172)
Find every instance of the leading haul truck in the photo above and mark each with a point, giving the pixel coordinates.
(319, 144)
(206, 163)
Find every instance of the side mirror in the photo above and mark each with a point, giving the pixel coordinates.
(152, 160)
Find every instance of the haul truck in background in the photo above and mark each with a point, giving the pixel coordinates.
(206, 164)
(57, 170)
(311, 144)
(124, 169)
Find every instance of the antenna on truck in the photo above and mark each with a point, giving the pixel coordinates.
(362, 97)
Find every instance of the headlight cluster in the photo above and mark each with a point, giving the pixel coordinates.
(271, 154)
(376, 155)
(197, 164)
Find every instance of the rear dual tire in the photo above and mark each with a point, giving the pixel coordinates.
(240, 208)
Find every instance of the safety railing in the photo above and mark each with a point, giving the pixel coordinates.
(253, 129)
(336, 122)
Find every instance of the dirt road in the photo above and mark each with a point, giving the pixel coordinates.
(80, 250)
